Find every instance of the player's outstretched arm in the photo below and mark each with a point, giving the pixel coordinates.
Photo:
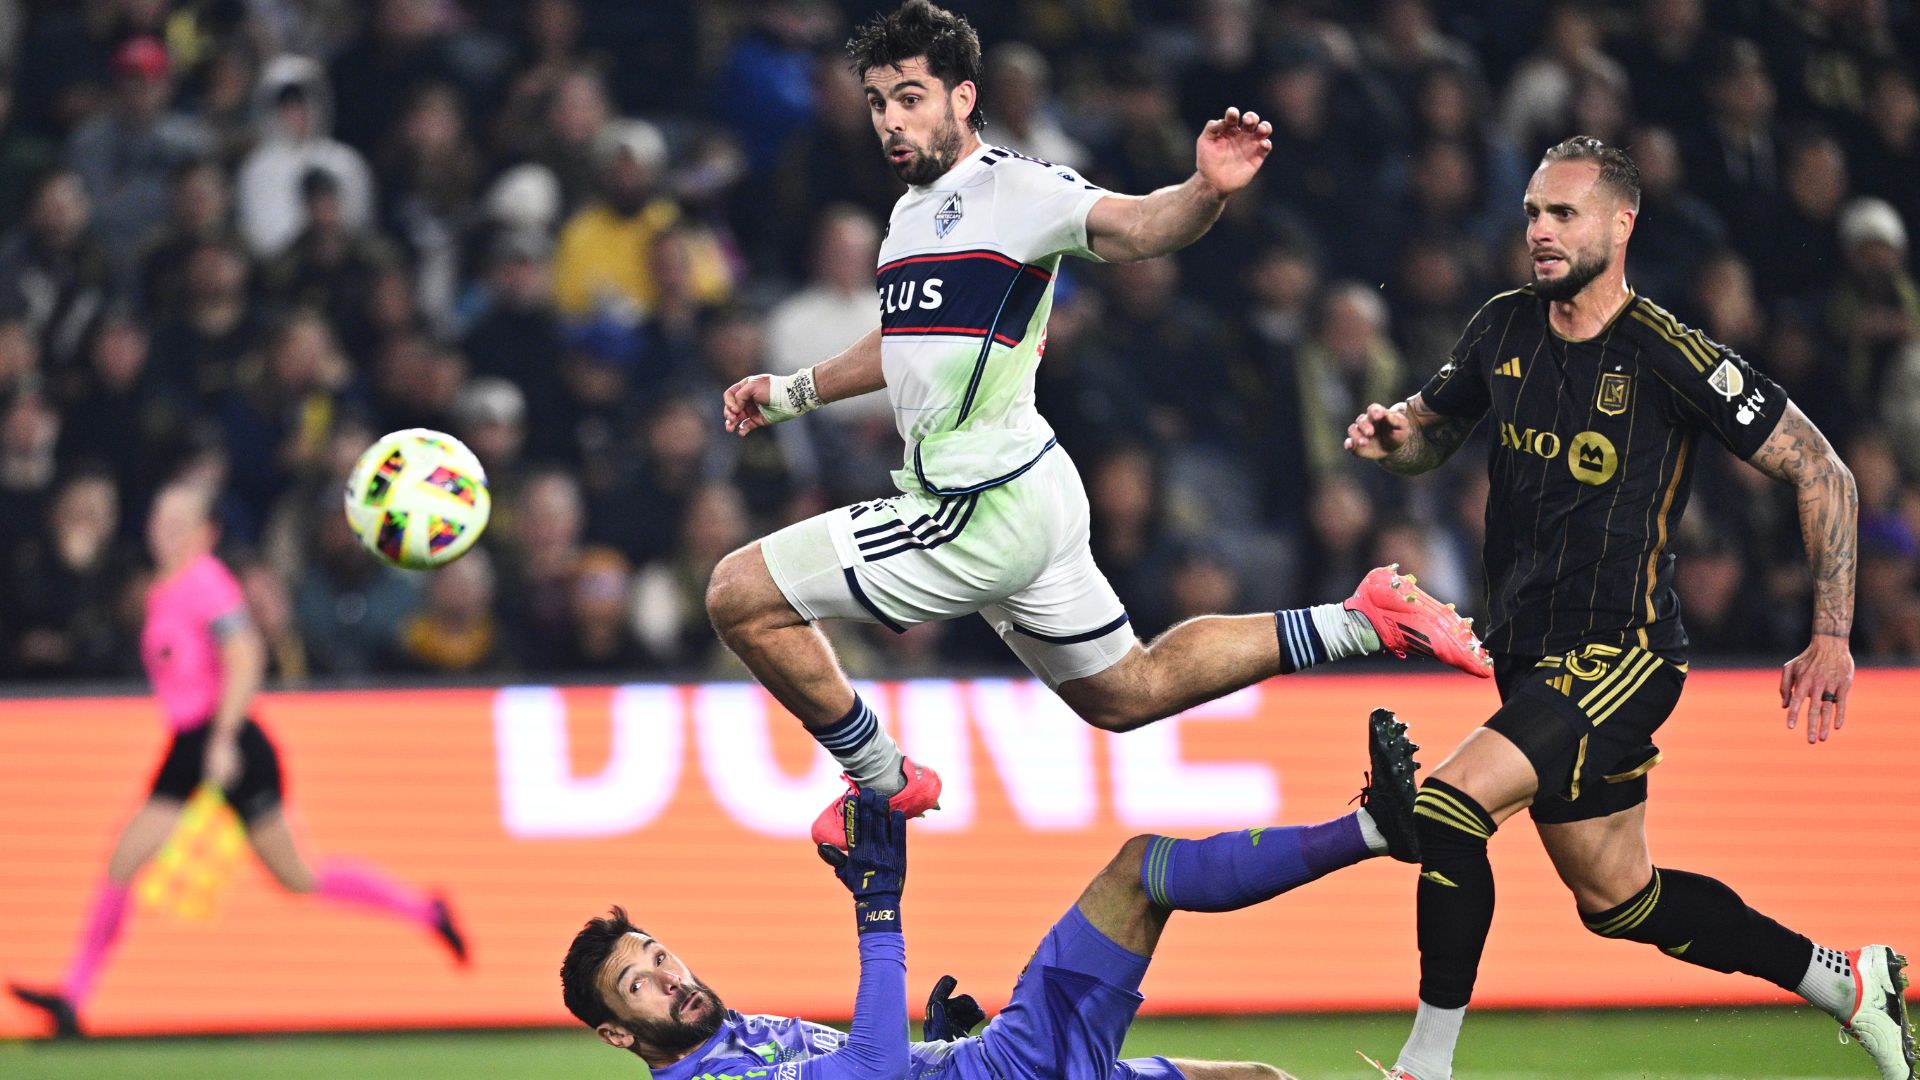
(1129, 228)
(874, 869)
(1819, 679)
(1406, 438)
(759, 401)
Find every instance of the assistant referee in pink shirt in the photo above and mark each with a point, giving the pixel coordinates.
(207, 661)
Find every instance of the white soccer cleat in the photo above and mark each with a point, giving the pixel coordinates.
(1879, 1022)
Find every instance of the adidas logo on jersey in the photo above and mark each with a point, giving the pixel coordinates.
(1511, 367)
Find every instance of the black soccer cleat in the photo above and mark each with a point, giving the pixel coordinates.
(66, 1021)
(449, 933)
(1389, 791)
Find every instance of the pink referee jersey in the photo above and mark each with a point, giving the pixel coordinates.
(180, 644)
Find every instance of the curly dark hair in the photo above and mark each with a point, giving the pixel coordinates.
(1618, 173)
(580, 971)
(918, 28)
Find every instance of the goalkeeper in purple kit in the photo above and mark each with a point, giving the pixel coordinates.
(1070, 1009)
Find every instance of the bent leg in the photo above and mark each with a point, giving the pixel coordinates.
(1193, 662)
(142, 838)
(1691, 917)
(341, 880)
(785, 652)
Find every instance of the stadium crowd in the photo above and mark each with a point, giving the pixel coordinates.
(245, 237)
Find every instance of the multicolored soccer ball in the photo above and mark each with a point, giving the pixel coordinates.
(418, 499)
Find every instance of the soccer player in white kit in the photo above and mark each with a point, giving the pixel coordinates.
(992, 517)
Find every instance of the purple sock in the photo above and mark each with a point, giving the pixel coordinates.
(1239, 869)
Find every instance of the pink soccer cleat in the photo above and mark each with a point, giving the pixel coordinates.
(921, 794)
(1408, 620)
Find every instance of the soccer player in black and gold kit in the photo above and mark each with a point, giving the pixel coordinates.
(1598, 400)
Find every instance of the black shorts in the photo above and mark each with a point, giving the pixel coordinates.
(1586, 719)
(253, 794)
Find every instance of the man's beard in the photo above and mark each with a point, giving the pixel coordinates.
(932, 162)
(674, 1035)
(1579, 273)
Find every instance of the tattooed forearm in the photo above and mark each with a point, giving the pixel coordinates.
(1796, 453)
(1430, 440)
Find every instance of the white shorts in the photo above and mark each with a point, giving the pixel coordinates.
(1017, 554)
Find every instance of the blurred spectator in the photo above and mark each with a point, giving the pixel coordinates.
(1023, 117)
(1730, 311)
(29, 434)
(641, 513)
(490, 416)
(1733, 162)
(835, 159)
(127, 153)
(430, 175)
(271, 607)
(669, 597)
(605, 259)
(1675, 229)
(1797, 253)
(835, 308)
(277, 420)
(333, 264)
(60, 589)
(455, 631)
(404, 46)
(1405, 43)
(600, 637)
(122, 414)
(201, 346)
(1876, 306)
(1663, 54)
(1721, 614)
(1147, 145)
(765, 84)
(1227, 69)
(1131, 541)
(1339, 518)
(1330, 140)
(1540, 95)
(1169, 347)
(1886, 154)
(199, 210)
(1203, 583)
(25, 155)
(273, 191)
(1349, 359)
(349, 605)
(539, 535)
(54, 268)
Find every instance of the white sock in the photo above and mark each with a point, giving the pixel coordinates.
(1828, 983)
(865, 750)
(1344, 633)
(1376, 841)
(1428, 1054)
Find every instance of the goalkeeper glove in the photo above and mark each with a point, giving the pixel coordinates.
(874, 866)
(950, 1017)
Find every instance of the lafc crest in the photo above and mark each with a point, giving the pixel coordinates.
(1614, 391)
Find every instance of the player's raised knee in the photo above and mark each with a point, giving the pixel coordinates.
(731, 592)
(1123, 870)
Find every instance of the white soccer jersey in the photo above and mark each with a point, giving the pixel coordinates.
(966, 284)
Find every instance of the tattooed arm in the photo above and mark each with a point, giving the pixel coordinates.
(1797, 454)
(1408, 438)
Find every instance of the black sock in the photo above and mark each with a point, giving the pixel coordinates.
(1455, 895)
(1701, 921)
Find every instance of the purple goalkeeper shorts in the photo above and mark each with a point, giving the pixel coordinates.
(1070, 1012)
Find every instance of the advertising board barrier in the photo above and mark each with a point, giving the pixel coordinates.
(532, 808)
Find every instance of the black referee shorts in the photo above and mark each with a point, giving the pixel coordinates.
(254, 793)
(1586, 719)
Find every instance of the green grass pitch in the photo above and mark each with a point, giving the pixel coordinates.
(1625, 1045)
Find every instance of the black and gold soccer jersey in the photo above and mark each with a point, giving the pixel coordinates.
(1590, 457)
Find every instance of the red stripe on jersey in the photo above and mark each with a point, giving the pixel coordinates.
(988, 255)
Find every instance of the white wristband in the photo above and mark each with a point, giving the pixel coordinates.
(789, 396)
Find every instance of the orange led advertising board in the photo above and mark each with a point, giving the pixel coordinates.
(533, 808)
